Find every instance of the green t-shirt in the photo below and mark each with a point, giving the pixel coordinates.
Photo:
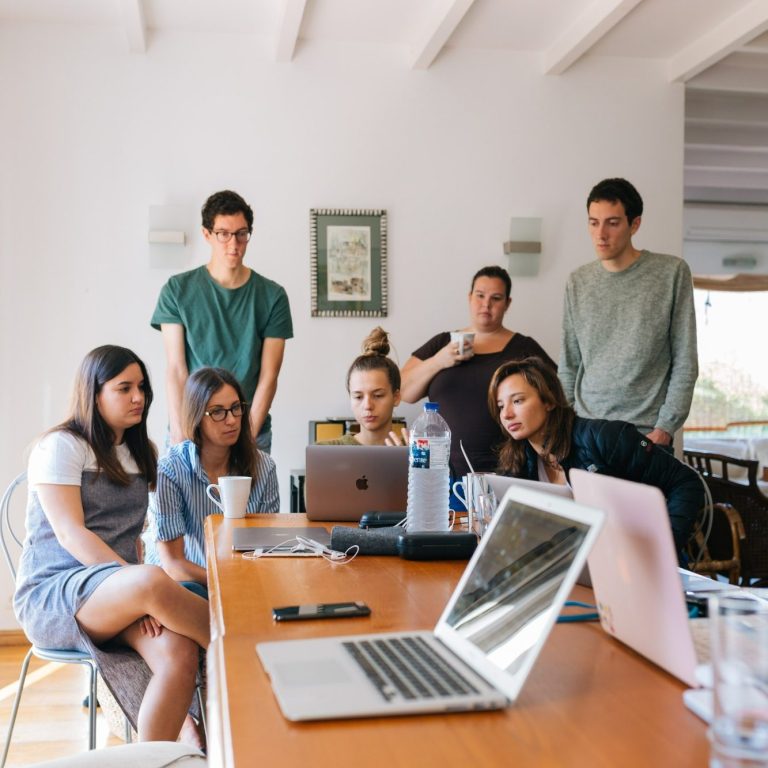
(225, 327)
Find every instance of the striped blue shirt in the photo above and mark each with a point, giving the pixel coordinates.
(180, 505)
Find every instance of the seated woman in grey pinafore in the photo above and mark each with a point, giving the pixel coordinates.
(79, 584)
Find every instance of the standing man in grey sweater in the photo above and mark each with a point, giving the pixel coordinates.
(629, 329)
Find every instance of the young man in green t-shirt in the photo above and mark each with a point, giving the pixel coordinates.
(226, 315)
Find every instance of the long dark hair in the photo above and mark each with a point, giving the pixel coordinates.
(559, 425)
(374, 358)
(100, 366)
(201, 386)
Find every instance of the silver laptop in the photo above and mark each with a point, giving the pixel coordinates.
(345, 481)
(500, 483)
(272, 539)
(485, 642)
(635, 576)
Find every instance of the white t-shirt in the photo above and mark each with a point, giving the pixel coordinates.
(60, 458)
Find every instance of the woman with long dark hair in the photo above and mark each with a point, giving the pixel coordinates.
(218, 442)
(545, 439)
(80, 585)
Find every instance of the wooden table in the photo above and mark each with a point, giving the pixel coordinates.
(588, 702)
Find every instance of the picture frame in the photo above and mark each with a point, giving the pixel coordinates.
(348, 262)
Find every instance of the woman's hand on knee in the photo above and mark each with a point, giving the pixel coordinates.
(150, 626)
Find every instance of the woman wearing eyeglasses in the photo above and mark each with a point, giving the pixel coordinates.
(219, 442)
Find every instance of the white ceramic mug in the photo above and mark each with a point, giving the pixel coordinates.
(464, 340)
(467, 490)
(469, 486)
(233, 492)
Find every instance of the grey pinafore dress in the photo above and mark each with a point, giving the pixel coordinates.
(51, 585)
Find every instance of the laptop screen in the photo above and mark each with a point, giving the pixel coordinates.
(513, 591)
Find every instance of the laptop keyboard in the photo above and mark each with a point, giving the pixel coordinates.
(407, 667)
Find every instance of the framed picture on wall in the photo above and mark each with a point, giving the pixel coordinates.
(348, 255)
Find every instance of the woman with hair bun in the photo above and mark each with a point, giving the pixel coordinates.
(373, 383)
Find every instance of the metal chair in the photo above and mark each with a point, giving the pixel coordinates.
(7, 536)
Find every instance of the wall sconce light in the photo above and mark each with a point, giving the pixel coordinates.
(167, 236)
(524, 246)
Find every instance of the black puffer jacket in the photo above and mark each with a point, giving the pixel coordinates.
(617, 449)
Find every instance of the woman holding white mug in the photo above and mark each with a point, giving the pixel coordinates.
(454, 370)
(218, 444)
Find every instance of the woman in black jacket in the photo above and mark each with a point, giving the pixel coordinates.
(546, 439)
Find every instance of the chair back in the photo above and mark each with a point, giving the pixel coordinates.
(746, 496)
(720, 552)
(8, 537)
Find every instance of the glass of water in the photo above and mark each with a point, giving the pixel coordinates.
(485, 508)
(739, 633)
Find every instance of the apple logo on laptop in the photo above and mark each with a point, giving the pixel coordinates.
(361, 483)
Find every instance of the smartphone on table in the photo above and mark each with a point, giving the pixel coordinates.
(320, 611)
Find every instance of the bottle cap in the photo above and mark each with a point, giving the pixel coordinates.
(431, 407)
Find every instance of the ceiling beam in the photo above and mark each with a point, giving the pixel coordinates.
(599, 19)
(442, 24)
(734, 32)
(288, 31)
(134, 24)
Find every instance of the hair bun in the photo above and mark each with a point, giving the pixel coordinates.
(377, 342)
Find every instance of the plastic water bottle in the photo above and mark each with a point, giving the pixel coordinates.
(428, 474)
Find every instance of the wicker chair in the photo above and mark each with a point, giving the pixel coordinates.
(721, 552)
(718, 470)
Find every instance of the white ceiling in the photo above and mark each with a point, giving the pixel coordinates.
(718, 48)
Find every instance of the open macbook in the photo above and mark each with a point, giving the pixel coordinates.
(500, 483)
(485, 642)
(345, 481)
(270, 538)
(635, 576)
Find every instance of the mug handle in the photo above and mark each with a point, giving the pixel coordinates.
(208, 493)
(460, 484)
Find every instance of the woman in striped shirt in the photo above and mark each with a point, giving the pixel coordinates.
(219, 442)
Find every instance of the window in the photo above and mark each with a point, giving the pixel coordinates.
(733, 363)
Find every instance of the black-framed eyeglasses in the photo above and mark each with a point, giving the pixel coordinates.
(219, 414)
(224, 236)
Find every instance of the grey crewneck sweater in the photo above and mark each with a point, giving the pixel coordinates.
(628, 347)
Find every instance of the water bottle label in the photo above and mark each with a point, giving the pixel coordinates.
(420, 453)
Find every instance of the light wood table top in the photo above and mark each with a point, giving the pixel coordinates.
(589, 700)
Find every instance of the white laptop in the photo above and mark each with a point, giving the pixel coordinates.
(500, 483)
(485, 642)
(635, 576)
(343, 482)
(273, 539)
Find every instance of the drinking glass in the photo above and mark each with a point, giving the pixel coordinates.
(739, 633)
(485, 508)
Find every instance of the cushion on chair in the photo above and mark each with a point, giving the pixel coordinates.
(147, 754)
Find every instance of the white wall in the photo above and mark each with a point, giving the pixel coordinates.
(91, 136)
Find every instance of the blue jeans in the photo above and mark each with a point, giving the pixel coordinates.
(195, 588)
